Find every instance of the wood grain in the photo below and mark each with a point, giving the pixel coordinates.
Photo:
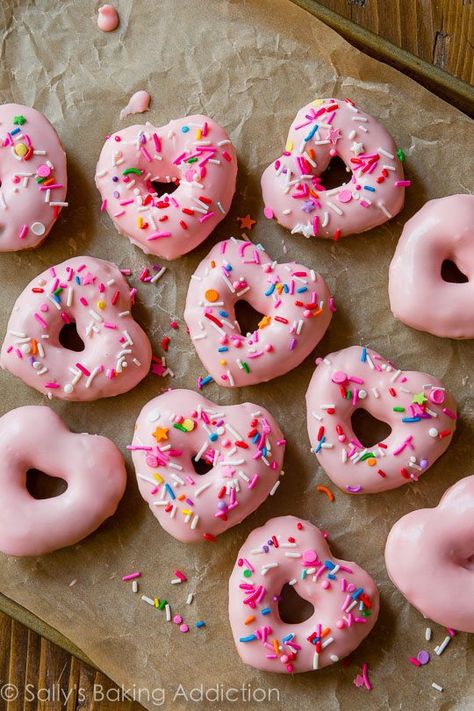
(441, 32)
(44, 677)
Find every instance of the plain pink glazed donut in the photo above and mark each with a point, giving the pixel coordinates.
(193, 153)
(285, 551)
(242, 446)
(92, 466)
(417, 407)
(443, 230)
(294, 193)
(294, 301)
(430, 558)
(94, 295)
(33, 177)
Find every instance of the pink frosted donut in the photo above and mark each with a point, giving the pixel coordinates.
(92, 466)
(294, 301)
(292, 187)
(33, 177)
(417, 407)
(430, 558)
(442, 231)
(167, 188)
(113, 353)
(288, 551)
(240, 448)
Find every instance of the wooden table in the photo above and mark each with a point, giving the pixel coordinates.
(432, 40)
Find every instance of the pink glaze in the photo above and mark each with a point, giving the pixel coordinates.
(293, 301)
(95, 296)
(92, 466)
(137, 104)
(357, 378)
(242, 444)
(442, 230)
(107, 18)
(344, 596)
(33, 177)
(373, 193)
(430, 557)
(194, 153)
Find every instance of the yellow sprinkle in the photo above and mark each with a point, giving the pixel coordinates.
(158, 477)
(156, 602)
(222, 362)
(266, 320)
(318, 102)
(139, 222)
(186, 512)
(279, 288)
(101, 305)
(188, 424)
(198, 134)
(20, 149)
(289, 145)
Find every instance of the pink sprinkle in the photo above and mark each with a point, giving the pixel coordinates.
(365, 668)
(23, 232)
(402, 183)
(103, 205)
(203, 218)
(41, 321)
(131, 576)
(180, 575)
(83, 370)
(268, 212)
(157, 142)
(450, 413)
(158, 235)
(227, 156)
(51, 385)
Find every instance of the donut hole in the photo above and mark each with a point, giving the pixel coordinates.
(451, 273)
(202, 466)
(165, 187)
(469, 563)
(43, 486)
(247, 317)
(292, 608)
(368, 429)
(336, 174)
(70, 339)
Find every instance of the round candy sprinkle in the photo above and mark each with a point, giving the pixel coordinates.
(423, 656)
(437, 396)
(433, 432)
(38, 228)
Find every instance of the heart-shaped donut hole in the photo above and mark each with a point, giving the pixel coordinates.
(427, 541)
(451, 273)
(202, 467)
(293, 606)
(44, 486)
(70, 339)
(290, 304)
(340, 173)
(407, 421)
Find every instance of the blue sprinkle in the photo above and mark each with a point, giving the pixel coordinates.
(228, 267)
(320, 444)
(206, 380)
(331, 576)
(56, 298)
(329, 564)
(78, 279)
(200, 623)
(411, 419)
(224, 314)
(286, 289)
(369, 188)
(249, 638)
(213, 436)
(302, 289)
(222, 349)
(288, 637)
(363, 355)
(311, 132)
(357, 593)
(264, 451)
(14, 131)
(266, 610)
(184, 129)
(170, 491)
(270, 290)
(256, 437)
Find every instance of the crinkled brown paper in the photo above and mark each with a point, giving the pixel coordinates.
(250, 65)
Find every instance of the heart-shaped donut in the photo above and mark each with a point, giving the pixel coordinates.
(294, 301)
(166, 188)
(293, 185)
(202, 468)
(430, 558)
(417, 407)
(288, 551)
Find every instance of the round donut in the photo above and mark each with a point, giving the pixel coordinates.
(292, 187)
(33, 177)
(443, 230)
(288, 551)
(419, 410)
(93, 295)
(240, 446)
(294, 301)
(91, 465)
(430, 558)
(195, 156)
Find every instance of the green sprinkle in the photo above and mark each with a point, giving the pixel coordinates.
(179, 427)
(348, 395)
(367, 455)
(127, 171)
(247, 573)
(398, 409)
(245, 367)
(400, 154)
(19, 120)
(57, 291)
(162, 604)
(191, 160)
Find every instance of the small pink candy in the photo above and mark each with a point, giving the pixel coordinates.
(436, 396)
(44, 171)
(339, 377)
(344, 196)
(183, 628)
(267, 268)
(326, 584)
(16, 179)
(268, 212)
(268, 348)
(177, 619)
(340, 624)
(44, 308)
(310, 556)
(225, 442)
(332, 152)
(284, 658)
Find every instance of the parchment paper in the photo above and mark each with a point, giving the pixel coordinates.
(250, 65)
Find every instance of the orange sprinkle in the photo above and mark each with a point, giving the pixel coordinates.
(275, 646)
(325, 490)
(213, 264)
(181, 497)
(249, 619)
(325, 632)
(211, 295)
(34, 346)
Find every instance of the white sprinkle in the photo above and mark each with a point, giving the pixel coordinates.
(148, 600)
(428, 634)
(437, 687)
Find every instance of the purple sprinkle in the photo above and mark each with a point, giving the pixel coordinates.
(354, 489)
(423, 656)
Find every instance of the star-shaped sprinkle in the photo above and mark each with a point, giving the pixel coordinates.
(19, 120)
(308, 206)
(246, 223)
(227, 471)
(160, 433)
(334, 134)
(88, 279)
(357, 148)
(419, 398)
